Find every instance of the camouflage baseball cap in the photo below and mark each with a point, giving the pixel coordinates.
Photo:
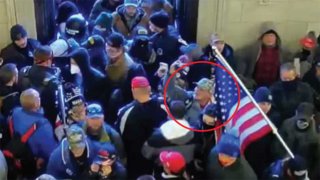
(205, 84)
(76, 137)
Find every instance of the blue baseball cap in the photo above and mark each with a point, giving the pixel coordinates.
(263, 94)
(94, 111)
(229, 144)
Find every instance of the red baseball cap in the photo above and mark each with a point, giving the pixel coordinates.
(307, 42)
(139, 82)
(174, 161)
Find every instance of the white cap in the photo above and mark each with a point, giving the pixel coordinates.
(59, 47)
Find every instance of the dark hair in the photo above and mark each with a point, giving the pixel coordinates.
(178, 109)
(7, 72)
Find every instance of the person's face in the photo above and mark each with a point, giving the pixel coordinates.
(226, 160)
(16, 76)
(219, 45)
(265, 106)
(208, 120)
(37, 100)
(95, 123)
(269, 39)
(112, 52)
(22, 42)
(131, 11)
(77, 152)
(78, 112)
(287, 75)
(317, 71)
(152, 27)
(201, 94)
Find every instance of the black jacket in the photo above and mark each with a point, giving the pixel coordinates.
(9, 96)
(136, 123)
(306, 143)
(45, 80)
(98, 58)
(118, 94)
(286, 101)
(92, 79)
(20, 57)
(166, 46)
(239, 170)
(172, 137)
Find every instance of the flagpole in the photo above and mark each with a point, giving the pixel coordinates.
(274, 129)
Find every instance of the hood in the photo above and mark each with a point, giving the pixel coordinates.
(81, 57)
(176, 134)
(269, 27)
(121, 11)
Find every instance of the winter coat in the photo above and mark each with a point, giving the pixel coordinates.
(63, 166)
(40, 147)
(102, 6)
(193, 107)
(240, 169)
(10, 98)
(92, 79)
(248, 56)
(109, 135)
(227, 53)
(136, 122)
(305, 143)
(312, 80)
(286, 102)
(18, 56)
(121, 25)
(118, 93)
(98, 58)
(166, 46)
(45, 80)
(171, 136)
(258, 154)
(3, 167)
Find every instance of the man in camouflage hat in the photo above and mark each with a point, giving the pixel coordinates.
(196, 100)
(73, 157)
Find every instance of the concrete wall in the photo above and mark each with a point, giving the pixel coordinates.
(16, 11)
(238, 21)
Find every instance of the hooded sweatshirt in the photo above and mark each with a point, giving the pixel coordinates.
(125, 25)
(91, 77)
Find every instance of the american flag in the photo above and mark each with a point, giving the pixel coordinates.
(248, 122)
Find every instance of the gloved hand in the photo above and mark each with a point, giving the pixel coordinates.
(277, 170)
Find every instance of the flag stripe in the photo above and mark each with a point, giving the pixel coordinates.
(252, 129)
(250, 122)
(242, 111)
(250, 114)
(243, 102)
(255, 136)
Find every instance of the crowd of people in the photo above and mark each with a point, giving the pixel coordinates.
(90, 105)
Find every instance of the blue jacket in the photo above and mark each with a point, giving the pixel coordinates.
(62, 166)
(42, 142)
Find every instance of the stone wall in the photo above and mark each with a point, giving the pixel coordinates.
(238, 21)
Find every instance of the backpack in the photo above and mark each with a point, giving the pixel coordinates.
(18, 154)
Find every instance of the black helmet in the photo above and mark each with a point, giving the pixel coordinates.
(76, 27)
